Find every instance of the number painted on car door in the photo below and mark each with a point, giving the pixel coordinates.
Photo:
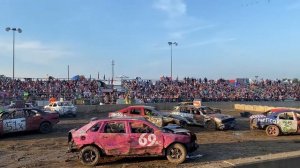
(14, 125)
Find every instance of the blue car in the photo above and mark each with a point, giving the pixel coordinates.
(277, 121)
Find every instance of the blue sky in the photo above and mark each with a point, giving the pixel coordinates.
(217, 38)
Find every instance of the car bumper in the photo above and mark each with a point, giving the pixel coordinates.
(227, 125)
(191, 147)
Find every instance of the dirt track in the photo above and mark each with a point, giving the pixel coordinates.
(219, 148)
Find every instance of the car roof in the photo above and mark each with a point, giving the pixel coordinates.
(122, 119)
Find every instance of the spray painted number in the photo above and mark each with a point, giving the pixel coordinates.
(14, 125)
(149, 141)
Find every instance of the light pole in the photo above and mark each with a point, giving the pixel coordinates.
(171, 44)
(68, 72)
(19, 31)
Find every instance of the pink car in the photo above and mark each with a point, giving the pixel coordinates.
(130, 137)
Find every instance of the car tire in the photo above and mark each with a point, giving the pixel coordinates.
(211, 125)
(250, 124)
(89, 156)
(45, 127)
(272, 130)
(176, 153)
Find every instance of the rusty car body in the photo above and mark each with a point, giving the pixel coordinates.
(160, 119)
(277, 122)
(130, 137)
(28, 119)
(210, 118)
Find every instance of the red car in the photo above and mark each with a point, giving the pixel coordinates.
(130, 137)
(158, 118)
(28, 119)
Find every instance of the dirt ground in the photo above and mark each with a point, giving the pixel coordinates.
(216, 148)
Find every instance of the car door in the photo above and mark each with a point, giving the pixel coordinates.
(145, 139)
(33, 119)
(114, 138)
(197, 117)
(287, 122)
(15, 123)
(200, 117)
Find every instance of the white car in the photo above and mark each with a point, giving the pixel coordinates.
(62, 108)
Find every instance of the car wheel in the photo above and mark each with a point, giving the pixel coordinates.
(74, 115)
(176, 153)
(251, 124)
(211, 125)
(90, 156)
(272, 130)
(45, 127)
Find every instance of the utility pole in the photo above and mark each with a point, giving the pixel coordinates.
(68, 72)
(112, 71)
(14, 30)
(171, 44)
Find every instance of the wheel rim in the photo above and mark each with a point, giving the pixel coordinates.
(175, 153)
(89, 156)
(272, 131)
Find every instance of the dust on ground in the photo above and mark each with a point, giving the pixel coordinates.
(217, 148)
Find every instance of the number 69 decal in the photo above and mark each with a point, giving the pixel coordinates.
(143, 141)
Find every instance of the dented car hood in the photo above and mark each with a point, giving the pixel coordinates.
(84, 129)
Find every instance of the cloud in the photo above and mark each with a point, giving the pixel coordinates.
(182, 33)
(196, 44)
(178, 23)
(210, 41)
(34, 52)
(173, 8)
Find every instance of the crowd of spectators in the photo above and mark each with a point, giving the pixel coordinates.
(149, 91)
(44, 89)
(212, 90)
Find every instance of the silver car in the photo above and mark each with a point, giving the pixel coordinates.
(212, 119)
